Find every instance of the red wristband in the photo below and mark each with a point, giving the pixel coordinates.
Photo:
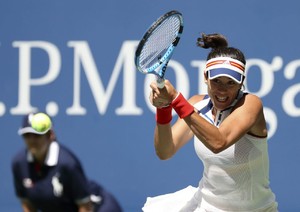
(164, 115)
(182, 107)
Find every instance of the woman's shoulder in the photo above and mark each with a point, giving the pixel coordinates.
(250, 99)
(197, 98)
(252, 96)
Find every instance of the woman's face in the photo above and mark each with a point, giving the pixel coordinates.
(37, 145)
(222, 91)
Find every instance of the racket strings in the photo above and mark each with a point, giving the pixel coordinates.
(159, 41)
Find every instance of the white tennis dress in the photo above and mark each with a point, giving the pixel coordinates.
(236, 179)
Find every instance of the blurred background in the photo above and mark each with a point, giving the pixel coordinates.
(74, 60)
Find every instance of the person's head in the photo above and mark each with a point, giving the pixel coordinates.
(37, 133)
(225, 69)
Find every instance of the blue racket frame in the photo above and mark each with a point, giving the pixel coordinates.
(164, 60)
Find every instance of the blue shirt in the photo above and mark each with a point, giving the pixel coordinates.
(58, 185)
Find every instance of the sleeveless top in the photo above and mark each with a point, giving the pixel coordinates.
(236, 179)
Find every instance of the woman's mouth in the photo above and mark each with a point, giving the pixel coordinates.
(221, 99)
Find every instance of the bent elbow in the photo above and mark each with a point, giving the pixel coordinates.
(163, 156)
(217, 148)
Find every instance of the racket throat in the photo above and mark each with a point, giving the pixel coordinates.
(159, 80)
(163, 70)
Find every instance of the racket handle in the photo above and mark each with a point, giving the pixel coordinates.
(160, 82)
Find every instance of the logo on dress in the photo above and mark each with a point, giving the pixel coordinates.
(57, 186)
(27, 183)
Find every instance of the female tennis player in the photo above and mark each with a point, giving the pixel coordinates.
(49, 177)
(230, 137)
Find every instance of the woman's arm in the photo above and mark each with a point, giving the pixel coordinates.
(247, 117)
(169, 139)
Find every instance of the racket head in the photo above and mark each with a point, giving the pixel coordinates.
(158, 43)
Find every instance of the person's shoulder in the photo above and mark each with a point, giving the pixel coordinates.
(252, 99)
(19, 159)
(20, 156)
(67, 156)
(196, 98)
(251, 95)
(66, 153)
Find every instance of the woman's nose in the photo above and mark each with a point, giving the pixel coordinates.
(222, 86)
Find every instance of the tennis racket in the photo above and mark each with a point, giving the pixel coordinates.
(157, 45)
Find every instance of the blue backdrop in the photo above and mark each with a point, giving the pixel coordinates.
(74, 59)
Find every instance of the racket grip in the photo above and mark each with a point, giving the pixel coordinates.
(160, 82)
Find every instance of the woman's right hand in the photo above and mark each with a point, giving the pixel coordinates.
(162, 97)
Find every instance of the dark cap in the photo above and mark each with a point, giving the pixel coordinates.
(37, 123)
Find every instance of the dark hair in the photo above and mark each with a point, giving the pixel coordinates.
(219, 46)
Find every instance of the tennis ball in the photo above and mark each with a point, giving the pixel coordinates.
(41, 122)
